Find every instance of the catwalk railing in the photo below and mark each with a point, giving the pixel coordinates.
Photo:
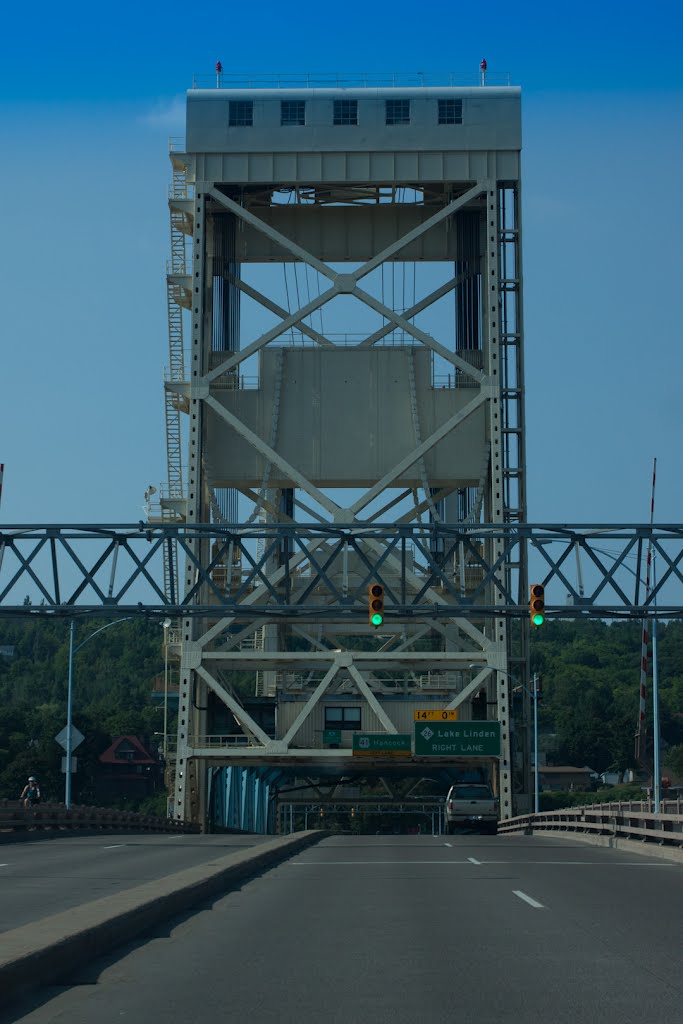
(622, 820)
(56, 819)
(320, 570)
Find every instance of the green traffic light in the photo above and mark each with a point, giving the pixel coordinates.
(377, 620)
(538, 619)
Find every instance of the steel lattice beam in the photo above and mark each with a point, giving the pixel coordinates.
(429, 572)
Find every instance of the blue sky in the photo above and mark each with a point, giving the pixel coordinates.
(88, 102)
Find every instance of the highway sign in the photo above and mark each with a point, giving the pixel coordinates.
(457, 739)
(382, 744)
(77, 737)
(435, 716)
(331, 735)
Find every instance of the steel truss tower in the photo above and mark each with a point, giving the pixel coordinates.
(354, 304)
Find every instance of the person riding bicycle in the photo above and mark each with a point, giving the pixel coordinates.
(30, 794)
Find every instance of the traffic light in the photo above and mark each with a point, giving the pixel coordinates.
(376, 604)
(537, 604)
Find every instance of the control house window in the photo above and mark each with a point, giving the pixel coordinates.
(450, 111)
(345, 112)
(398, 112)
(292, 112)
(241, 113)
(342, 718)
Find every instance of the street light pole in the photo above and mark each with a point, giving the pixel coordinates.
(69, 725)
(69, 698)
(657, 772)
(535, 745)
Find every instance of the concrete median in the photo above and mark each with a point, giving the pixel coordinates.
(44, 951)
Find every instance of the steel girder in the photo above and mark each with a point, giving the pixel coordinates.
(429, 571)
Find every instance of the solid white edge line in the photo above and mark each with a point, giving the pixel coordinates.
(528, 899)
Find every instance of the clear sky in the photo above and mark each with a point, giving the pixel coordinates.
(88, 98)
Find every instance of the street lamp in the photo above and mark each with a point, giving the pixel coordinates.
(69, 698)
(165, 626)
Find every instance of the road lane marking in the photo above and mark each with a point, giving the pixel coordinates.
(496, 863)
(528, 899)
(394, 863)
(114, 847)
(4, 865)
(449, 844)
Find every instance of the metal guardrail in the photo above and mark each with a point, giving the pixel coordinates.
(622, 820)
(56, 818)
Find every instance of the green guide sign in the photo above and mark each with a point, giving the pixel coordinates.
(457, 739)
(382, 744)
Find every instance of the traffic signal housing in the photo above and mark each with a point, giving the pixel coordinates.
(537, 604)
(376, 604)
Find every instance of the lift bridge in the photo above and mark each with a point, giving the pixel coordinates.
(346, 379)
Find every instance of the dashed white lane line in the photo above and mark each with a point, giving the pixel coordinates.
(528, 899)
(4, 865)
(473, 860)
(114, 847)
(449, 844)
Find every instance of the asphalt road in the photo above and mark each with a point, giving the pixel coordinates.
(50, 875)
(398, 929)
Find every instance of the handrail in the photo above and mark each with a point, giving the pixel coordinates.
(634, 820)
(14, 818)
(331, 80)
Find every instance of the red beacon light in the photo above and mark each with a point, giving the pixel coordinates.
(219, 68)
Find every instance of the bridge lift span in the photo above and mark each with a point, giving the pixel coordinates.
(347, 264)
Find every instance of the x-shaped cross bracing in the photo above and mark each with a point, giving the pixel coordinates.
(344, 284)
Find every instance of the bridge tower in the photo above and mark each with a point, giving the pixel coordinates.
(353, 298)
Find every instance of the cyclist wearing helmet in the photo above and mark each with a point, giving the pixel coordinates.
(30, 794)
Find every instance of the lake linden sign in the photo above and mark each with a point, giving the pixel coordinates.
(457, 739)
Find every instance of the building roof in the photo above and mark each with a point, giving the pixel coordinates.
(140, 754)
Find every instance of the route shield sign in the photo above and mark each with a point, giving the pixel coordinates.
(457, 739)
(382, 744)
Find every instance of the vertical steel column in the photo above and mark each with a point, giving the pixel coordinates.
(190, 777)
(496, 511)
(514, 455)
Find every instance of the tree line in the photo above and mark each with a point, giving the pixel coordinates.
(589, 673)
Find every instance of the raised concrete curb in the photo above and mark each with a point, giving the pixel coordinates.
(41, 952)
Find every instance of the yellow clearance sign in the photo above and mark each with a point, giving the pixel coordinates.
(435, 716)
